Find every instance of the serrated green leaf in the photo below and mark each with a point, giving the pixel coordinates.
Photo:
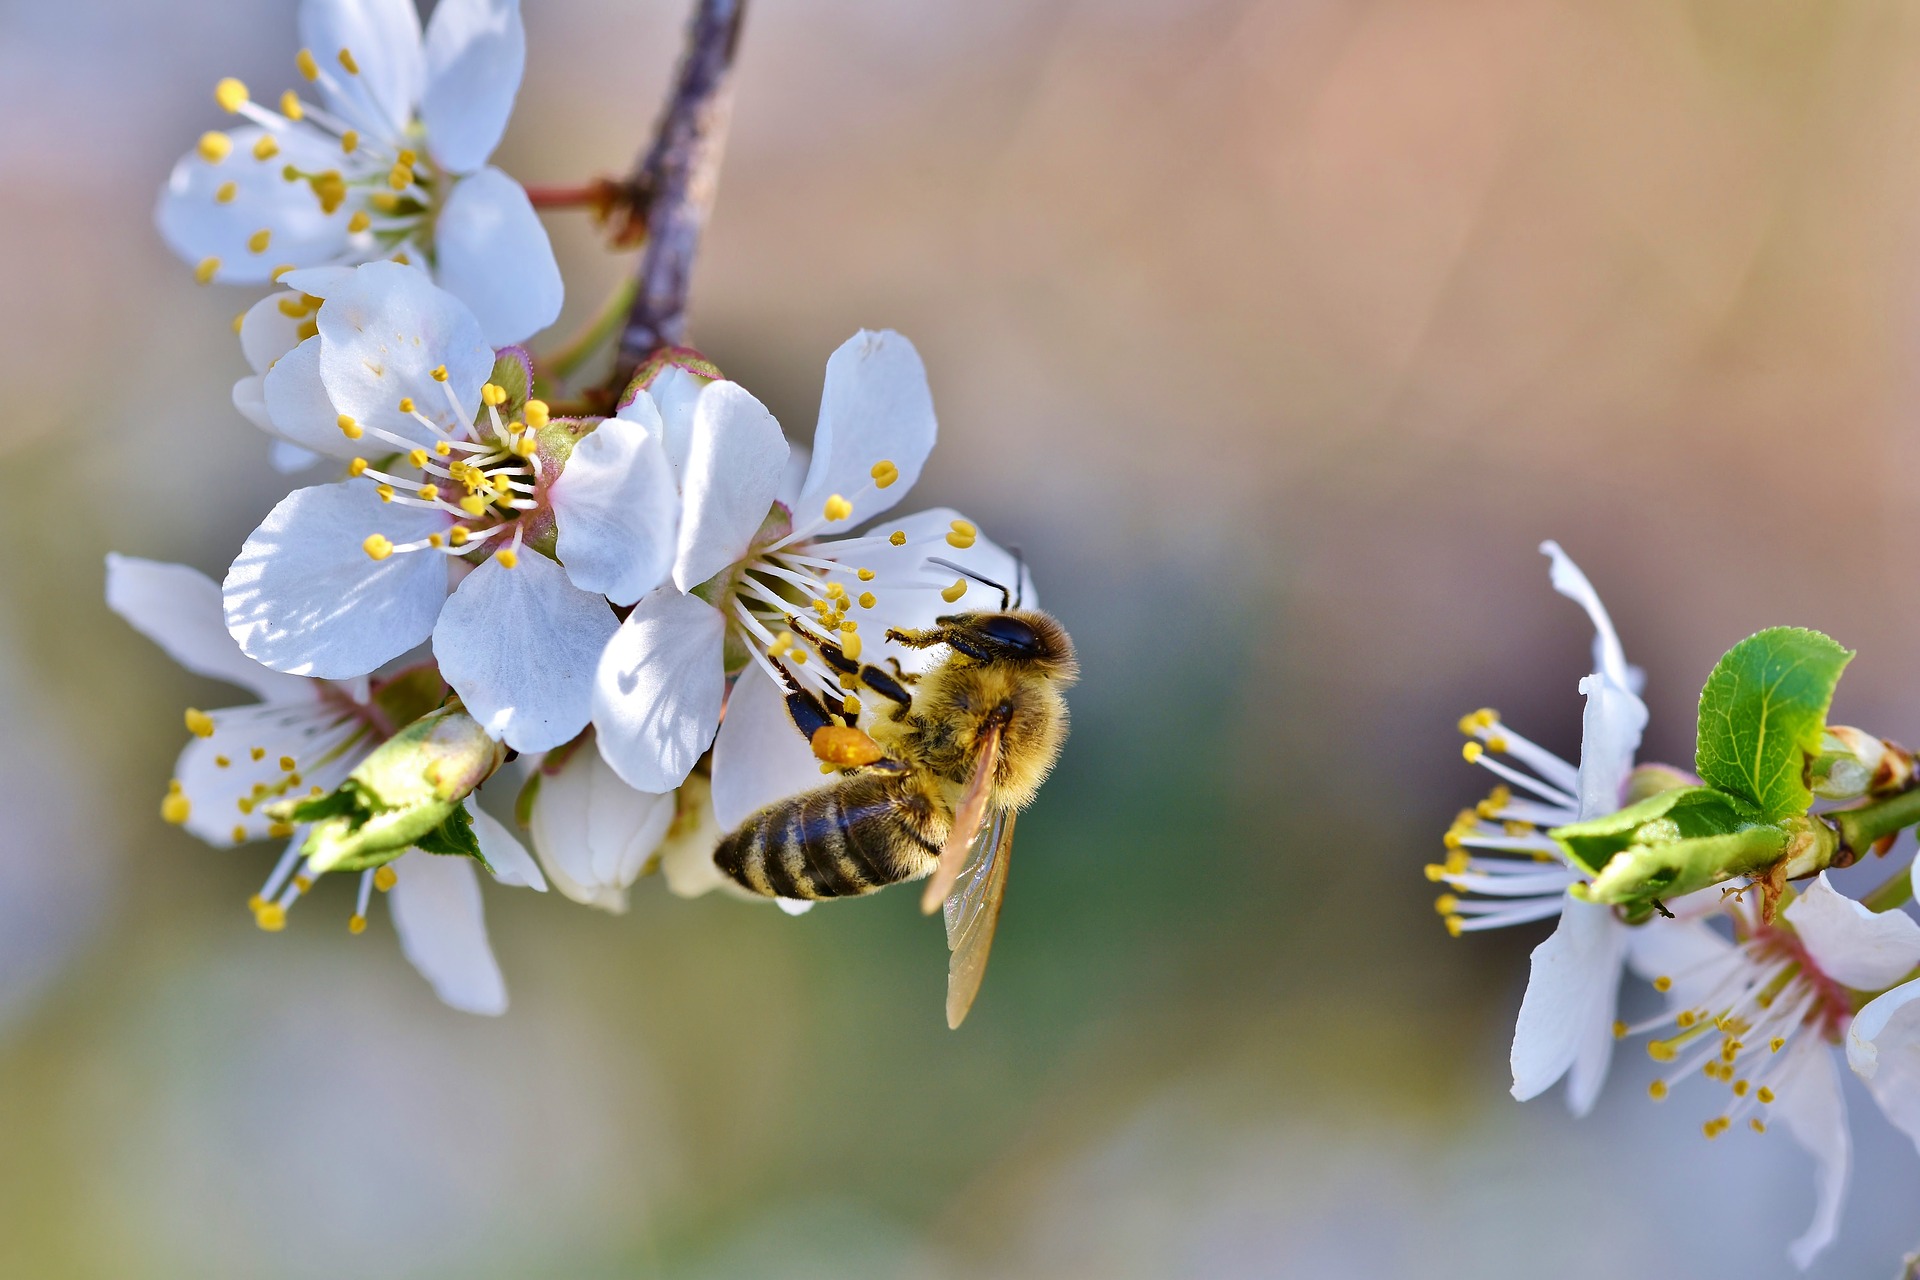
(454, 838)
(1762, 714)
(1680, 813)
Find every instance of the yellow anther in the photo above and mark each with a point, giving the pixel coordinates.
(350, 141)
(954, 592)
(850, 644)
(386, 492)
(1685, 1020)
(850, 705)
(352, 431)
(266, 148)
(1776, 1044)
(429, 491)
(837, 508)
(884, 473)
(287, 764)
(406, 404)
(846, 625)
(1619, 1030)
(239, 834)
(290, 105)
(898, 537)
(384, 878)
(526, 446)
(1497, 743)
(279, 830)
(1446, 904)
(827, 768)
(174, 806)
(199, 723)
(1740, 1088)
(457, 535)
(836, 592)
(1657, 1090)
(203, 273)
(330, 189)
(231, 94)
(258, 754)
(356, 924)
(865, 575)
(358, 466)
(1455, 926)
(1757, 1125)
(1660, 1050)
(1712, 1127)
(215, 147)
(359, 221)
(239, 321)
(417, 456)
(964, 529)
(309, 69)
(1763, 1094)
(799, 657)
(225, 193)
(270, 916)
(294, 308)
(384, 201)
(400, 177)
(281, 270)
(1435, 872)
(377, 546)
(1663, 983)
(507, 557)
(435, 540)
(867, 599)
(538, 415)
(346, 61)
(491, 393)
(442, 449)
(221, 762)
(1471, 752)
(408, 157)
(473, 505)
(303, 883)
(259, 240)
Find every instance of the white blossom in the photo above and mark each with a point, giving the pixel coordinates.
(302, 738)
(381, 154)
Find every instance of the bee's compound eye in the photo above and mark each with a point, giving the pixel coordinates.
(1012, 634)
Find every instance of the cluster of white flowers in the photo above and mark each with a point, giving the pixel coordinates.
(614, 599)
(1762, 1005)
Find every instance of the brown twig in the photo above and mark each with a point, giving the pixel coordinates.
(674, 181)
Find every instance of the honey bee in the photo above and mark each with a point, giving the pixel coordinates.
(932, 787)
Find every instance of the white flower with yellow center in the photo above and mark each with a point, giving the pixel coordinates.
(382, 154)
(1764, 1013)
(456, 516)
(750, 558)
(1504, 870)
(302, 738)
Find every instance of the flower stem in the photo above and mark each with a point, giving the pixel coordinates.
(1859, 828)
(1894, 894)
(565, 360)
(678, 175)
(583, 196)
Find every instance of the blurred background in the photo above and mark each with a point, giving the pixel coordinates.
(1278, 333)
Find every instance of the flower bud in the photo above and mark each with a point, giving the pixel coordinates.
(1853, 763)
(407, 793)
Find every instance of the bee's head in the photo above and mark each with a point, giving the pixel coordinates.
(1024, 636)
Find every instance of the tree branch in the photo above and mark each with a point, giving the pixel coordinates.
(676, 178)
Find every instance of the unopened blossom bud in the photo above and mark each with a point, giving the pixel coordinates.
(407, 793)
(1853, 763)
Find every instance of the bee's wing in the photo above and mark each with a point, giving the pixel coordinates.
(967, 819)
(973, 912)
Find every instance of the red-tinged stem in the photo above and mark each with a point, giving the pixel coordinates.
(677, 176)
(582, 197)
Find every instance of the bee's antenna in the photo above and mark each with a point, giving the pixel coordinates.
(1019, 576)
(1006, 596)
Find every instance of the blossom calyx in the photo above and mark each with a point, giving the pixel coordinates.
(1853, 763)
(406, 794)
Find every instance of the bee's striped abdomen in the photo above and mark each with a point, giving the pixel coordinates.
(835, 842)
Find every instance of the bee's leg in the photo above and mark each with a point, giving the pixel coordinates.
(900, 673)
(809, 714)
(867, 674)
(954, 637)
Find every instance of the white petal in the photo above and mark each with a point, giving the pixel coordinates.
(384, 332)
(686, 856)
(1883, 1048)
(1858, 948)
(320, 282)
(476, 51)
(197, 226)
(267, 332)
(1682, 951)
(727, 489)
(1572, 989)
(520, 646)
(656, 699)
(1810, 1103)
(253, 741)
(511, 863)
(675, 394)
(876, 407)
(290, 459)
(250, 398)
(298, 408)
(616, 510)
(179, 609)
(1610, 729)
(384, 39)
(793, 906)
(443, 930)
(491, 251)
(759, 756)
(304, 597)
(594, 832)
(1608, 657)
(906, 588)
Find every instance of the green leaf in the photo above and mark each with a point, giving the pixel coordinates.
(1680, 813)
(1762, 714)
(454, 838)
